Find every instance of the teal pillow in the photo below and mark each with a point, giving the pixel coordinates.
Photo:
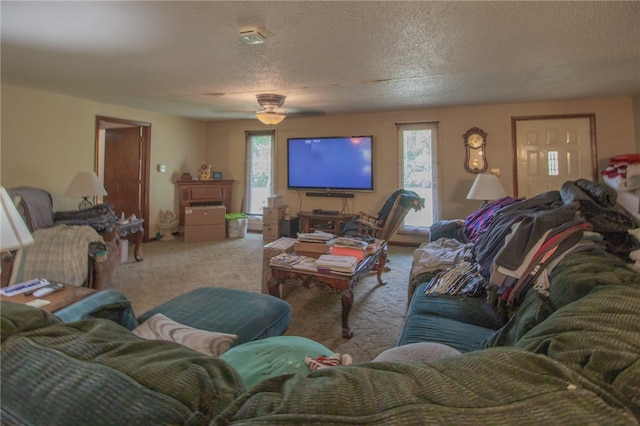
(273, 356)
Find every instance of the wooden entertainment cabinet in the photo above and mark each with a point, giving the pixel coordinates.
(310, 222)
(203, 193)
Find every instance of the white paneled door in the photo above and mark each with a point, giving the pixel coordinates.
(551, 151)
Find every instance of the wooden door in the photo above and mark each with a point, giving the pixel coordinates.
(552, 150)
(122, 170)
(122, 160)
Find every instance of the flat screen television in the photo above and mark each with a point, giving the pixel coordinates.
(330, 163)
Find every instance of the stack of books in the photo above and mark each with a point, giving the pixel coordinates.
(344, 246)
(345, 265)
(316, 237)
(306, 264)
(286, 260)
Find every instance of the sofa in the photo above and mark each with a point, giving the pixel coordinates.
(490, 278)
(78, 247)
(569, 356)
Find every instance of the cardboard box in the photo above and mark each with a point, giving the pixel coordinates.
(304, 246)
(269, 232)
(203, 233)
(274, 201)
(204, 215)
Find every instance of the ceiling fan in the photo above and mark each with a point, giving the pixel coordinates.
(271, 104)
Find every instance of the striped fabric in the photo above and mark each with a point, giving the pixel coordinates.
(96, 372)
(60, 253)
(159, 327)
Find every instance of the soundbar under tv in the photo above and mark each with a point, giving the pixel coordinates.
(330, 164)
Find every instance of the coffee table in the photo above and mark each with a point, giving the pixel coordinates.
(334, 283)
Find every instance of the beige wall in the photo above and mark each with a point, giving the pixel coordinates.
(46, 138)
(225, 146)
(636, 121)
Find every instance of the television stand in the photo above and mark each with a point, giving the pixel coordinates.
(330, 194)
(310, 221)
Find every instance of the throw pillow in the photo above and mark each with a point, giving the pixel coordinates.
(420, 351)
(274, 356)
(159, 327)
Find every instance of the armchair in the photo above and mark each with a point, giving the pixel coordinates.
(386, 223)
(77, 248)
(395, 209)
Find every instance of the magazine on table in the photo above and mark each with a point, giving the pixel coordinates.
(286, 260)
(317, 236)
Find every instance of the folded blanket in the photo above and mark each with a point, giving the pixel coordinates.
(100, 217)
(59, 253)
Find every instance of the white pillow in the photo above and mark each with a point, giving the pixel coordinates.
(159, 327)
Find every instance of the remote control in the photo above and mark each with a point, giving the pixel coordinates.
(48, 290)
(43, 291)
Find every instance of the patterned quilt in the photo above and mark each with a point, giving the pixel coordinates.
(59, 253)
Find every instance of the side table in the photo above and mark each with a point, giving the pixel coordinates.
(59, 299)
(131, 227)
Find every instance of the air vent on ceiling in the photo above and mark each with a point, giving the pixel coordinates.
(251, 36)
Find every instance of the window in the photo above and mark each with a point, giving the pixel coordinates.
(552, 163)
(418, 167)
(259, 170)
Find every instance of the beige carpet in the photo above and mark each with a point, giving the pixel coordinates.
(173, 268)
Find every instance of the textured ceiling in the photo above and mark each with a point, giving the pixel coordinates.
(185, 58)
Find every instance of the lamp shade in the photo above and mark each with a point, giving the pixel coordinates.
(486, 187)
(85, 184)
(270, 117)
(14, 233)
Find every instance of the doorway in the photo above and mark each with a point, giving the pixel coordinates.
(550, 150)
(122, 163)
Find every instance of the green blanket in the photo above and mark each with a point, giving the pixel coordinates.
(97, 372)
(498, 386)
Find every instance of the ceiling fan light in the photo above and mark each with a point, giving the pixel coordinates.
(270, 118)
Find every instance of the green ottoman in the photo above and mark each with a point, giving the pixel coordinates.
(250, 316)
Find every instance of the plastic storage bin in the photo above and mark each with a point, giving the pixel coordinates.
(236, 225)
(124, 250)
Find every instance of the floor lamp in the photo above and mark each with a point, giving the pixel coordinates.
(14, 233)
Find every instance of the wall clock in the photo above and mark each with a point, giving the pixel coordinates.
(475, 140)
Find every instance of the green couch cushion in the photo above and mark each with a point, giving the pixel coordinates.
(32, 319)
(97, 372)
(470, 310)
(573, 278)
(598, 336)
(462, 323)
(534, 309)
(273, 356)
(493, 386)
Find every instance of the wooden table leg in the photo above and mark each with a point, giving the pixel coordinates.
(137, 252)
(347, 302)
(381, 262)
(273, 285)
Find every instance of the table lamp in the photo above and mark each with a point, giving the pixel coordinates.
(14, 233)
(486, 187)
(85, 185)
